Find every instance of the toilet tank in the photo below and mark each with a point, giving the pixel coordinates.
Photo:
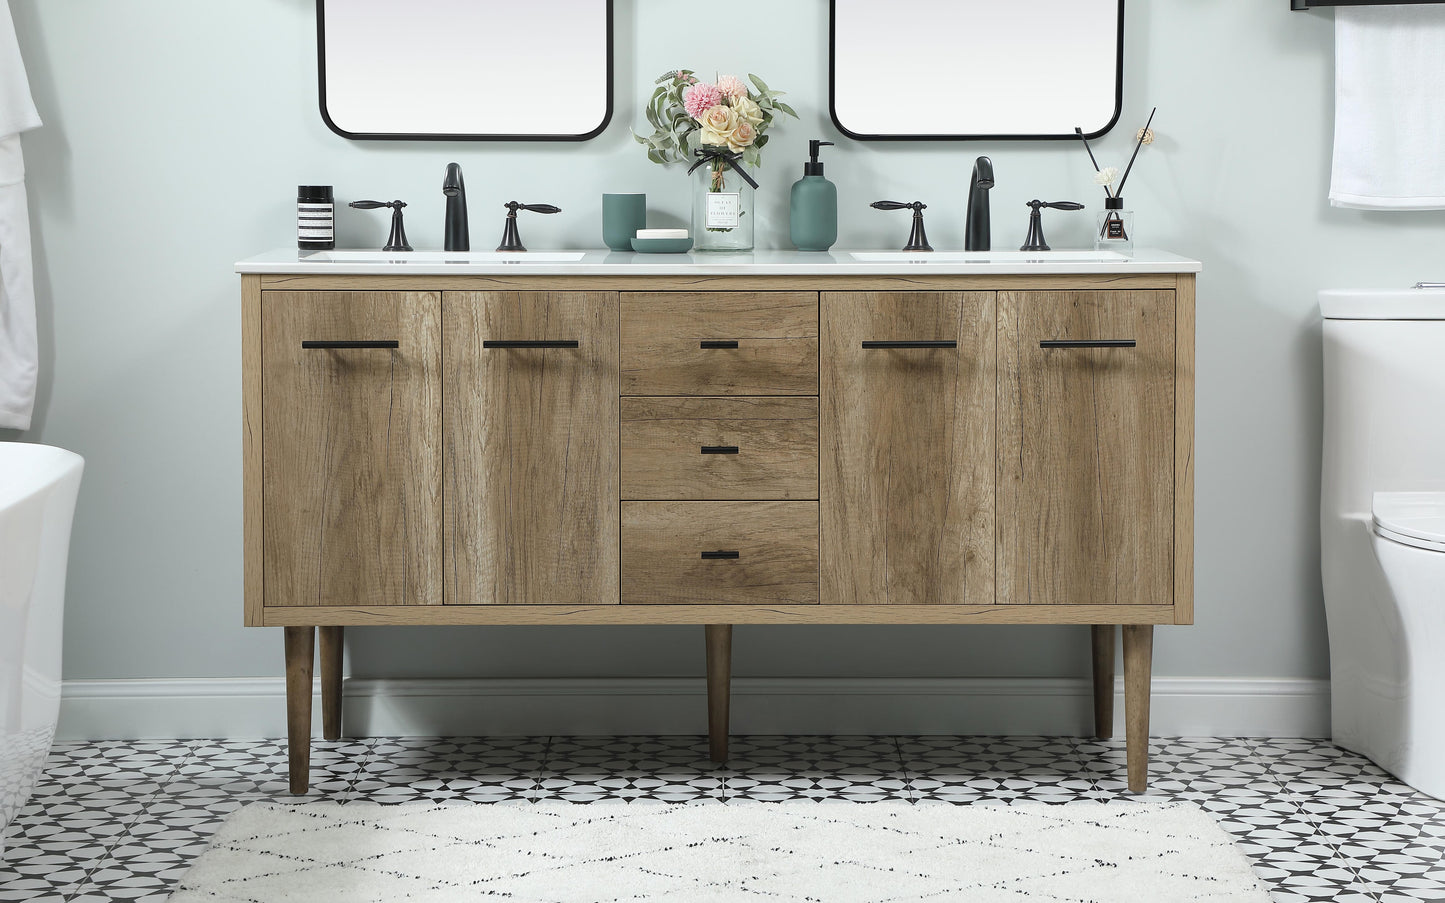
(1384, 387)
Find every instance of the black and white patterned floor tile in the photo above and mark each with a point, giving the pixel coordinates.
(122, 821)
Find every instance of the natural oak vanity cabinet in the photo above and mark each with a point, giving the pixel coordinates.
(615, 447)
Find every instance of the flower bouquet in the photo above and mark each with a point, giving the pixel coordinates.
(722, 129)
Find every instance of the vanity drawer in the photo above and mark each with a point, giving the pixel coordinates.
(744, 553)
(720, 448)
(733, 343)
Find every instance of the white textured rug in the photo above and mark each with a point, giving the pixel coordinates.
(706, 852)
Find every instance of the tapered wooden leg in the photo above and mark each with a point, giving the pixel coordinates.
(331, 642)
(1103, 680)
(300, 650)
(1138, 661)
(719, 691)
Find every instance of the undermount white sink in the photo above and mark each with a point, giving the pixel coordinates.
(984, 257)
(458, 257)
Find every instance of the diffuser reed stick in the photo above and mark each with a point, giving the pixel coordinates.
(1080, 132)
(1140, 143)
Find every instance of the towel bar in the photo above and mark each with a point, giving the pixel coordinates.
(1298, 5)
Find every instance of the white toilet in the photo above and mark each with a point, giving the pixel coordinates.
(1382, 527)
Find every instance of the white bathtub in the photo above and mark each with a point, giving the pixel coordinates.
(38, 485)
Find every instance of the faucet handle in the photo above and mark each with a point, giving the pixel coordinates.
(1035, 240)
(514, 206)
(918, 238)
(511, 240)
(898, 205)
(396, 241)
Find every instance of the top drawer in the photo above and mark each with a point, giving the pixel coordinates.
(733, 343)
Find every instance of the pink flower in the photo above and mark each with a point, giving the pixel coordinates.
(700, 98)
(732, 86)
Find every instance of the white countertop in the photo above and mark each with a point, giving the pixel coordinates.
(757, 263)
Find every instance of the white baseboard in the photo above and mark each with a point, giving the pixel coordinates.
(255, 707)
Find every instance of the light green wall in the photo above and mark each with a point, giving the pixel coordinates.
(177, 130)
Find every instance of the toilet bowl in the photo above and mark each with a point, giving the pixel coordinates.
(1382, 527)
(1409, 544)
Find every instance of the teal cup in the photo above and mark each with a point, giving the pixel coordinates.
(622, 216)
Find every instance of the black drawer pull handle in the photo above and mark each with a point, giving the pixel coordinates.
(722, 343)
(1087, 343)
(530, 343)
(364, 343)
(943, 343)
(719, 449)
(719, 555)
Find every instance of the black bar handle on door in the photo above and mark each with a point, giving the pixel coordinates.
(921, 343)
(530, 343)
(1087, 343)
(719, 555)
(719, 449)
(343, 344)
(711, 343)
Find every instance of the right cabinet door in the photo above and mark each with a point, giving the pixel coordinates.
(1086, 447)
(907, 446)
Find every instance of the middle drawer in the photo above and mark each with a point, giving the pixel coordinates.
(719, 448)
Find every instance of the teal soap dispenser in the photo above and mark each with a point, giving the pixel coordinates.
(813, 207)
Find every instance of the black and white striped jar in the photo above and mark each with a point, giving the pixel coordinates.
(315, 218)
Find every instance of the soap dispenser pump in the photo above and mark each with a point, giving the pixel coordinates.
(813, 206)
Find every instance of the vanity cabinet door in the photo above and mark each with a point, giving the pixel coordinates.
(351, 448)
(531, 447)
(1086, 447)
(907, 434)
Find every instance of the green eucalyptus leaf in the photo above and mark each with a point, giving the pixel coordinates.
(787, 109)
(762, 85)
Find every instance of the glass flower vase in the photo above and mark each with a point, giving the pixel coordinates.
(722, 209)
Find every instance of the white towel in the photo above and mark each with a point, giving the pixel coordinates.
(1389, 107)
(19, 360)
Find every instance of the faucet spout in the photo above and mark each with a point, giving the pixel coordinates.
(977, 231)
(456, 236)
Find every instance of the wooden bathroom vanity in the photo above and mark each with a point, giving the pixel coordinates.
(773, 439)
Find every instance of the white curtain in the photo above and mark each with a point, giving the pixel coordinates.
(19, 363)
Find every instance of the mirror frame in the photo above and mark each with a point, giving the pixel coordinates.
(438, 136)
(862, 136)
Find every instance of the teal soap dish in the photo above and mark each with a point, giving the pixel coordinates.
(662, 245)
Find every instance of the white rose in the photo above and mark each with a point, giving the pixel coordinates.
(718, 124)
(748, 109)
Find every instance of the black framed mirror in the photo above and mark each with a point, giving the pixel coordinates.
(960, 69)
(478, 70)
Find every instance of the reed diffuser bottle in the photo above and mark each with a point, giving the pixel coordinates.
(1115, 227)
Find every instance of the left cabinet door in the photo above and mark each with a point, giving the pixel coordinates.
(531, 430)
(351, 448)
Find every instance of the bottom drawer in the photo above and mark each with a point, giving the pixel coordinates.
(744, 553)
